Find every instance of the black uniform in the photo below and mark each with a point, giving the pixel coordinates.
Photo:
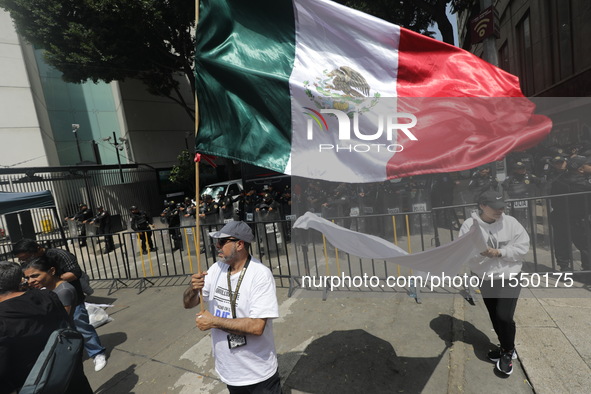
(480, 183)
(210, 211)
(559, 219)
(580, 214)
(249, 202)
(172, 217)
(140, 222)
(103, 219)
(339, 205)
(268, 209)
(84, 214)
(442, 195)
(522, 185)
(188, 208)
(226, 204)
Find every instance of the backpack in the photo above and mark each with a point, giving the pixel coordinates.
(53, 369)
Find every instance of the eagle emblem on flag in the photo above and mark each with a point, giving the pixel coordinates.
(342, 88)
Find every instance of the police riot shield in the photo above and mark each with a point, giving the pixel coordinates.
(269, 230)
(520, 210)
(420, 200)
(92, 241)
(187, 232)
(73, 228)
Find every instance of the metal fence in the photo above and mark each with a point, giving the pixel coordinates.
(291, 254)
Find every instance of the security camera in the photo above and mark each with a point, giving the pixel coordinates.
(75, 126)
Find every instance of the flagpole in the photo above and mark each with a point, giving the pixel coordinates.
(197, 228)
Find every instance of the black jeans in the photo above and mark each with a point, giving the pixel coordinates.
(269, 386)
(501, 303)
(147, 235)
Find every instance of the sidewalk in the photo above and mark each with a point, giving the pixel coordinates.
(352, 343)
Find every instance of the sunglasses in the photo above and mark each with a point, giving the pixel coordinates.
(221, 242)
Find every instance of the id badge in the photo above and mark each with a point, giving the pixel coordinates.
(235, 341)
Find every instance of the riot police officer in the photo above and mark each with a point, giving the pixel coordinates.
(210, 210)
(82, 216)
(103, 219)
(171, 217)
(579, 180)
(188, 208)
(226, 204)
(268, 208)
(521, 184)
(142, 223)
(481, 181)
(557, 177)
(249, 201)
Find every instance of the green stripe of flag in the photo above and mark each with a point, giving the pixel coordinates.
(239, 54)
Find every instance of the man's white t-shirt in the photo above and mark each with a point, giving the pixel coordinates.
(257, 360)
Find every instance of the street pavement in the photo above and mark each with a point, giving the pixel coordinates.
(353, 342)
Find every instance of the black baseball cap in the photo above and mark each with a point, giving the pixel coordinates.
(492, 199)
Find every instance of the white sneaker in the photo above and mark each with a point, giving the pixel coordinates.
(100, 361)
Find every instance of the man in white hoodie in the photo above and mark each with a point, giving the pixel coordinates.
(507, 243)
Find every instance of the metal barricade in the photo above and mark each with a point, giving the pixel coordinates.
(308, 254)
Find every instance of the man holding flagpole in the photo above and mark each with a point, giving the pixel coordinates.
(241, 301)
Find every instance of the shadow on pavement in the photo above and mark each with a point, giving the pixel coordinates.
(445, 326)
(355, 361)
(120, 383)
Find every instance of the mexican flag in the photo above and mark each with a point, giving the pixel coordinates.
(315, 89)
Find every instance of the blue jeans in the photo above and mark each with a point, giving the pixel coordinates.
(92, 343)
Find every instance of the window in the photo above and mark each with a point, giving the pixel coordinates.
(560, 26)
(525, 54)
(504, 57)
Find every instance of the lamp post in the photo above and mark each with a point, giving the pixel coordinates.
(75, 128)
(118, 147)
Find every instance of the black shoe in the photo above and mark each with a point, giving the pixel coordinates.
(153, 249)
(144, 252)
(106, 251)
(505, 363)
(495, 355)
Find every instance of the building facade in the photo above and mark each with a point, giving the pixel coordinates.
(546, 44)
(45, 121)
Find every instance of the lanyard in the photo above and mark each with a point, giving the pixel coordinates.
(234, 297)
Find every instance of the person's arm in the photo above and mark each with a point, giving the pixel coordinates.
(518, 245)
(67, 297)
(262, 306)
(241, 326)
(69, 276)
(191, 294)
(67, 263)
